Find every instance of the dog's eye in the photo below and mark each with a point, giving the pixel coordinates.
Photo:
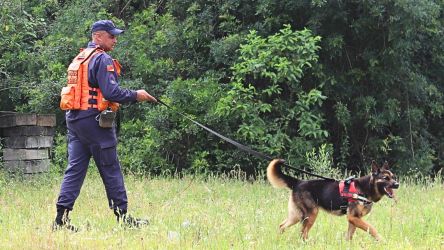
(386, 178)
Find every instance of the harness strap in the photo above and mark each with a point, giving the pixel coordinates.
(350, 193)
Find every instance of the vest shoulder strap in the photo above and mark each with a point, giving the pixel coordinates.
(85, 54)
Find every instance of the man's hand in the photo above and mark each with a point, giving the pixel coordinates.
(143, 96)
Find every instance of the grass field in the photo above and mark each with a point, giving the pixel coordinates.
(218, 213)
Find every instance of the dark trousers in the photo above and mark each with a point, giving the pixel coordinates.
(86, 139)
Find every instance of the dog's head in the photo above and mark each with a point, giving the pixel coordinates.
(384, 179)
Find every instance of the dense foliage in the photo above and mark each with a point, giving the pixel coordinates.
(362, 79)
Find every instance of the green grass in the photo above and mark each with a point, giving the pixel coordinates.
(217, 213)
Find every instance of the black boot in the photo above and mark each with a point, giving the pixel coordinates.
(129, 221)
(62, 220)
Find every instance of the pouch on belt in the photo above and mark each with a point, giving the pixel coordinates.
(106, 118)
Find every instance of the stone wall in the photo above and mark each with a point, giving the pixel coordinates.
(27, 140)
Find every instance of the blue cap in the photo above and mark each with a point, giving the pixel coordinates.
(106, 25)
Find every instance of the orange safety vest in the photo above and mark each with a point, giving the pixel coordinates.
(78, 93)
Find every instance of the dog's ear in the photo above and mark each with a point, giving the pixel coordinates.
(385, 166)
(375, 168)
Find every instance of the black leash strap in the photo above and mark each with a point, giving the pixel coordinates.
(240, 146)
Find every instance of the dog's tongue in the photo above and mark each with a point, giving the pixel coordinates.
(389, 192)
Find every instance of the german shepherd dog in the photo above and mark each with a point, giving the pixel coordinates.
(307, 197)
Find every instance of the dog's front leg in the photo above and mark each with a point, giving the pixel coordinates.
(351, 231)
(358, 222)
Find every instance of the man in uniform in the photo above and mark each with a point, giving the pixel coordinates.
(86, 138)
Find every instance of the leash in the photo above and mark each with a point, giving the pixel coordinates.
(240, 146)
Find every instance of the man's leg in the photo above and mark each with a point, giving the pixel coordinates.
(105, 156)
(78, 160)
(108, 164)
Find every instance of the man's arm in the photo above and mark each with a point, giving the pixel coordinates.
(109, 85)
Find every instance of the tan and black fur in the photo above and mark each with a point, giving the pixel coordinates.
(308, 197)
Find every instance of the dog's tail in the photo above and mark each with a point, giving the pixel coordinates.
(277, 178)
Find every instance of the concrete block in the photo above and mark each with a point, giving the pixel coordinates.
(27, 167)
(28, 142)
(18, 119)
(10, 154)
(28, 130)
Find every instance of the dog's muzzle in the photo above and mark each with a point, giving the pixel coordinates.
(389, 189)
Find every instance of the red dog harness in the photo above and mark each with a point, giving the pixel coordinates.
(350, 193)
(348, 190)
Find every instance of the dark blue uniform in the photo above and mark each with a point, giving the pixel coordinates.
(86, 139)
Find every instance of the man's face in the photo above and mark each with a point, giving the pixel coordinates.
(105, 40)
